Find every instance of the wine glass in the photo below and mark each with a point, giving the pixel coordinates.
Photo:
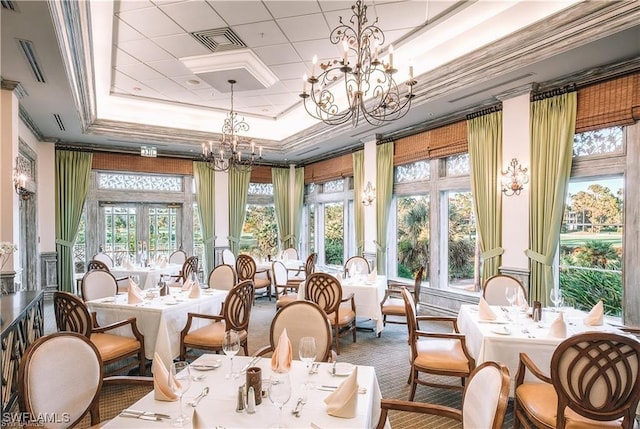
(280, 393)
(307, 352)
(556, 297)
(179, 382)
(510, 293)
(231, 346)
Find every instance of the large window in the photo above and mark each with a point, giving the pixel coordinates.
(591, 240)
(259, 231)
(461, 240)
(412, 214)
(334, 233)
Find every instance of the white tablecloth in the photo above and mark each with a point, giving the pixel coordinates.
(149, 276)
(161, 319)
(504, 340)
(367, 296)
(219, 407)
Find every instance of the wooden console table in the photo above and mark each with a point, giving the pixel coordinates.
(22, 316)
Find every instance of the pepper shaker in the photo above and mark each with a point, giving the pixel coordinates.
(251, 401)
(240, 405)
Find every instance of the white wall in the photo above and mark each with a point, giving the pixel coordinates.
(9, 212)
(370, 215)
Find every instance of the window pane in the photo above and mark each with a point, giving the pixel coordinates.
(333, 186)
(311, 222)
(162, 231)
(139, 182)
(80, 245)
(120, 232)
(334, 233)
(457, 165)
(260, 189)
(591, 248)
(259, 232)
(598, 142)
(413, 235)
(462, 240)
(411, 172)
(198, 241)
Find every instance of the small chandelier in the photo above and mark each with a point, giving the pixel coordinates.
(233, 151)
(514, 178)
(369, 88)
(368, 194)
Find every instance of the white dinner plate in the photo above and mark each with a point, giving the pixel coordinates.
(171, 302)
(109, 299)
(206, 366)
(342, 369)
(503, 330)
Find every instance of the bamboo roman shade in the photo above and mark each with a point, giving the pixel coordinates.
(260, 174)
(330, 169)
(439, 142)
(607, 104)
(139, 164)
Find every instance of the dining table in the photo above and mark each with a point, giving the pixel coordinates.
(148, 276)
(159, 318)
(218, 408)
(367, 291)
(513, 331)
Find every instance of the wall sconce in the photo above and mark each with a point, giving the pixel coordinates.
(369, 194)
(514, 178)
(22, 180)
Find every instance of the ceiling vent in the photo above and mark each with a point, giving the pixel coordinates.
(30, 56)
(59, 122)
(219, 39)
(8, 4)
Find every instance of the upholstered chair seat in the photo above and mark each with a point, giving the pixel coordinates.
(112, 346)
(441, 355)
(393, 304)
(211, 335)
(345, 315)
(393, 307)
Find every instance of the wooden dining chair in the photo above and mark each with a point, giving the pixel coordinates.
(290, 254)
(178, 257)
(228, 257)
(222, 277)
(246, 270)
(315, 325)
(104, 258)
(72, 315)
(235, 314)
(393, 304)
(593, 384)
(326, 291)
(98, 284)
(494, 288)
(484, 400)
(435, 353)
(354, 261)
(298, 275)
(286, 291)
(189, 267)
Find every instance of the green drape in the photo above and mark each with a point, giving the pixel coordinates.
(552, 127)
(238, 189)
(298, 204)
(485, 155)
(280, 180)
(384, 190)
(73, 172)
(205, 197)
(358, 208)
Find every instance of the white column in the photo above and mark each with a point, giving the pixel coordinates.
(221, 219)
(516, 143)
(370, 216)
(292, 188)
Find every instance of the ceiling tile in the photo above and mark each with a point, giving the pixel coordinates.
(163, 86)
(124, 5)
(260, 34)
(335, 5)
(170, 68)
(277, 54)
(184, 82)
(181, 45)
(293, 85)
(307, 27)
(123, 58)
(151, 22)
(124, 32)
(139, 71)
(194, 15)
(184, 97)
(241, 12)
(145, 50)
(394, 16)
(283, 9)
(323, 48)
(289, 71)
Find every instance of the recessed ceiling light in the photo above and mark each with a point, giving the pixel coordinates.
(137, 88)
(193, 82)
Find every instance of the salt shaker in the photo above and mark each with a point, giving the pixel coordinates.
(251, 401)
(240, 403)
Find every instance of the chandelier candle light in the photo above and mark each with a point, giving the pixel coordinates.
(233, 151)
(369, 88)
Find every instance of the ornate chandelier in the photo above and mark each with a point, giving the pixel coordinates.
(369, 88)
(232, 151)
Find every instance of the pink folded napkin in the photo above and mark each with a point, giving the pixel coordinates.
(558, 328)
(195, 290)
(161, 389)
(596, 315)
(484, 311)
(343, 402)
(282, 355)
(134, 294)
(187, 284)
(373, 275)
(198, 422)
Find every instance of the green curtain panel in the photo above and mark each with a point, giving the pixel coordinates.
(205, 197)
(552, 127)
(384, 189)
(73, 172)
(280, 179)
(484, 135)
(298, 204)
(238, 189)
(358, 208)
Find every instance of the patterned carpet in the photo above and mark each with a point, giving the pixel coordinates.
(389, 354)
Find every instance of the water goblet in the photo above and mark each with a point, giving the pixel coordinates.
(510, 293)
(556, 297)
(280, 393)
(230, 347)
(307, 353)
(179, 382)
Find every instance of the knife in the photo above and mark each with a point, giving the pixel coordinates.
(250, 364)
(142, 417)
(146, 413)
